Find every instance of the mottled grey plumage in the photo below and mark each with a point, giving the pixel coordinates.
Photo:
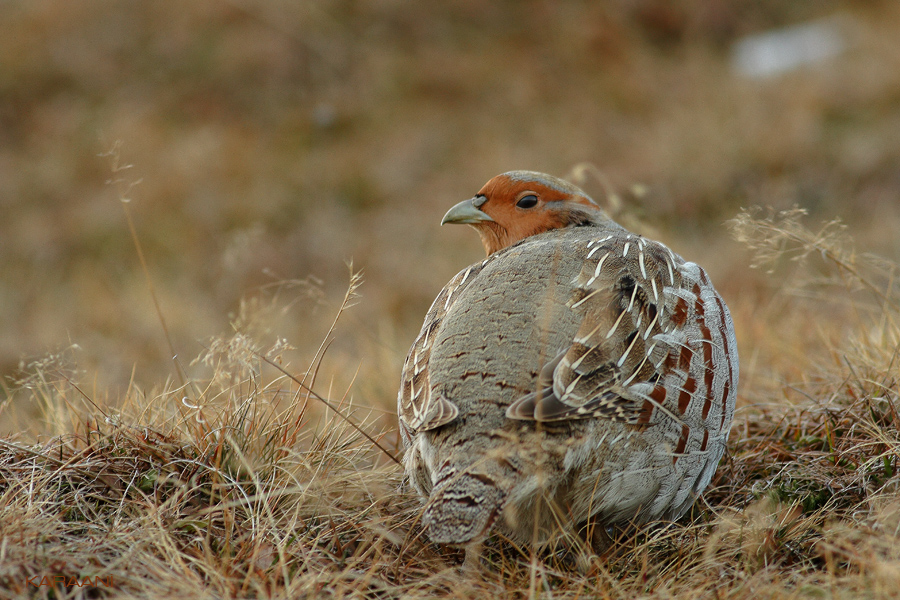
(581, 372)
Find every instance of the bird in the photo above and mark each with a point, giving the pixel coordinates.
(580, 373)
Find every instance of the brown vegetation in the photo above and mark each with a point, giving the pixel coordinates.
(273, 143)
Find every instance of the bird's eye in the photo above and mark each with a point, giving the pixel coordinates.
(529, 201)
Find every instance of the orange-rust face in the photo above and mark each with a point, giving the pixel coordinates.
(516, 205)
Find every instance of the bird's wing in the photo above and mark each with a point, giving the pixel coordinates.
(418, 408)
(654, 338)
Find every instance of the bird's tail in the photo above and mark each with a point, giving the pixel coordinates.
(463, 508)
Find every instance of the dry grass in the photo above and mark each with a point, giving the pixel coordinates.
(244, 485)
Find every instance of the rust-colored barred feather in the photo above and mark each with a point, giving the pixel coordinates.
(645, 344)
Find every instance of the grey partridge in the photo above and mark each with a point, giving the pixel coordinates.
(579, 373)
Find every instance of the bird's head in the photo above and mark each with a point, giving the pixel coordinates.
(515, 205)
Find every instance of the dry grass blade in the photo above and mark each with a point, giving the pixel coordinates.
(780, 235)
(334, 408)
(124, 188)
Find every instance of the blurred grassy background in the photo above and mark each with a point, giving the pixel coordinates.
(274, 141)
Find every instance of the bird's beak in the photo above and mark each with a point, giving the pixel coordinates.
(465, 213)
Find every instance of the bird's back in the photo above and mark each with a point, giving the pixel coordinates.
(483, 347)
